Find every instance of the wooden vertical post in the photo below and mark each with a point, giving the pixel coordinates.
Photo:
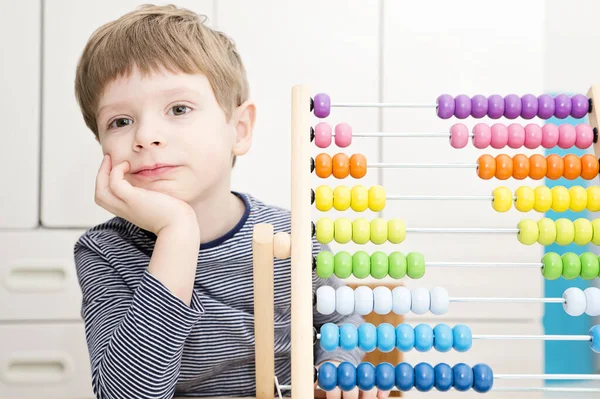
(594, 115)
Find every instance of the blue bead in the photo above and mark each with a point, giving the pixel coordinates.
(327, 376)
(423, 337)
(463, 340)
(348, 336)
(595, 334)
(367, 337)
(346, 376)
(405, 337)
(330, 337)
(424, 377)
(483, 378)
(385, 376)
(405, 376)
(443, 377)
(463, 377)
(442, 338)
(386, 337)
(365, 376)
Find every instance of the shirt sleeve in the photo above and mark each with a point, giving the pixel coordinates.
(135, 337)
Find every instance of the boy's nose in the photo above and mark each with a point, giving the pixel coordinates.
(148, 137)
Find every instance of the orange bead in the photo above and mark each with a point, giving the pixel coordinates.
(341, 166)
(504, 167)
(486, 167)
(520, 166)
(589, 167)
(358, 166)
(537, 166)
(572, 167)
(556, 166)
(323, 166)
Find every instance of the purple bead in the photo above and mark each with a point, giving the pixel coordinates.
(579, 106)
(445, 106)
(562, 106)
(479, 106)
(495, 106)
(322, 105)
(529, 106)
(462, 106)
(545, 106)
(512, 106)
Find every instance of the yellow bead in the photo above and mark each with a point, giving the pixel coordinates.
(565, 231)
(596, 231)
(360, 198)
(341, 198)
(324, 229)
(547, 229)
(502, 199)
(543, 199)
(584, 231)
(379, 231)
(343, 230)
(396, 231)
(560, 198)
(525, 199)
(528, 231)
(578, 198)
(361, 231)
(376, 198)
(324, 198)
(593, 198)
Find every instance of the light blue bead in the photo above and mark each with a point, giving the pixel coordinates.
(443, 338)
(367, 337)
(386, 337)
(423, 337)
(463, 340)
(348, 336)
(330, 337)
(405, 337)
(595, 343)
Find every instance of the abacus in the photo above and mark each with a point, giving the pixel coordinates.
(400, 300)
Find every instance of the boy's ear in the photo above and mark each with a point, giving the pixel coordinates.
(244, 119)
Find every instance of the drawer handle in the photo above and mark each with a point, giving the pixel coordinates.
(36, 277)
(36, 368)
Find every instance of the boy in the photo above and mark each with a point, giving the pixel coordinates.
(167, 283)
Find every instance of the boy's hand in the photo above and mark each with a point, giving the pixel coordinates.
(149, 210)
(337, 393)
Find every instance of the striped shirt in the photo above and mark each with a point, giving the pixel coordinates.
(144, 342)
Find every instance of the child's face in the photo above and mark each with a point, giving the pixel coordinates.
(172, 126)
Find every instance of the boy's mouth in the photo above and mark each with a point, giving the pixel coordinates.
(154, 170)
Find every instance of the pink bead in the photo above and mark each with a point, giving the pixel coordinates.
(585, 136)
(549, 135)
(566, 136)
(482, 136)
(516, 135)
(533, 136)
(343, 135)
(499, 136)
(323, 135)
(459, 135)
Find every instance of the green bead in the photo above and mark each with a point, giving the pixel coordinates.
(379, 265)
(325, 264)
(590, 267)
(397, 265)
(361, 264)
(416, 265)
(343, 264)
(571, 266)
(552, 266)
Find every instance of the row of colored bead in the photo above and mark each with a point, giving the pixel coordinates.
(403, 337)
(543, 198)
(423, 377)
(537, 166)
(363, 300)
(340, 166)
(359, 198)
(512, 106)
(578, 301)
(561, 231)
(360, 231)
(570, 266)
(378, 265)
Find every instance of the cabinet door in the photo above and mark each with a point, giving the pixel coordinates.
(71, 155)
(20, 113)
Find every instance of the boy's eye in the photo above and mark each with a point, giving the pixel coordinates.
(120, 122)
(179, 109)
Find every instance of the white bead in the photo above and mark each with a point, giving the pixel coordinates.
(440, 300)
(401, 300)
(592, 301)
(344, 300)
(382, 298)
(575, 301)
(363, 300)
(420, 300)
(325, 299)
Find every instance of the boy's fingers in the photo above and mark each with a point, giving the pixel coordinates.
(353, 394)
(383, 394)
(104, 195)
(119, 186)
(370, 394)
(336, 393)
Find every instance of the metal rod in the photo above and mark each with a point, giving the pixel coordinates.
(383, 105)
(460, 230)
(484, 264)
(442, 197)
(536, 337)
(422, 165)
(406, 134)
(509, 300)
